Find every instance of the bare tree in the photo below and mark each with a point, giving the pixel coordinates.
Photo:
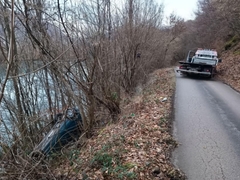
(65, 54)
(134, 35)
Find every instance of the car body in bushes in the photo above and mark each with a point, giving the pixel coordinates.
(67, 128)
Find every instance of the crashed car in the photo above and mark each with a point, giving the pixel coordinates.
(67, 128)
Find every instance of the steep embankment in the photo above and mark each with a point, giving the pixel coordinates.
(229, 69)
(138, 146)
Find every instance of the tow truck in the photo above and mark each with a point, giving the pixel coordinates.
(202, 62)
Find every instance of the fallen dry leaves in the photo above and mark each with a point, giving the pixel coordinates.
(138, 146)
(230, 67)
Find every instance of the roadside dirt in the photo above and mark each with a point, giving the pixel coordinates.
(139, 145)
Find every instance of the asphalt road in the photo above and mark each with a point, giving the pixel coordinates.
(207, 126)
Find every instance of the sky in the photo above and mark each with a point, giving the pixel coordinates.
(182, 8)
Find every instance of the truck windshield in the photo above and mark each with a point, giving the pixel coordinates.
(204, 61)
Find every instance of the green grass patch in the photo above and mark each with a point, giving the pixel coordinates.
(237, 52)
(231, 43)
(111, 165)
(162, 121)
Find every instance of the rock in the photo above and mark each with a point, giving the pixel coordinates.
(156, 171)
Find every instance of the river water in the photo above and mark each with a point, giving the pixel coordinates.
(34, 86)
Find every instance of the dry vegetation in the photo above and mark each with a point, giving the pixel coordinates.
(138, 146)
(230, 67)
(84, 54)
(92, 55)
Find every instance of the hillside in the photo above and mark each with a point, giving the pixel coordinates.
(138, 146)
(229, 69)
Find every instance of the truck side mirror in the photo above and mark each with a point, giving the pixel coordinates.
(219, 60)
